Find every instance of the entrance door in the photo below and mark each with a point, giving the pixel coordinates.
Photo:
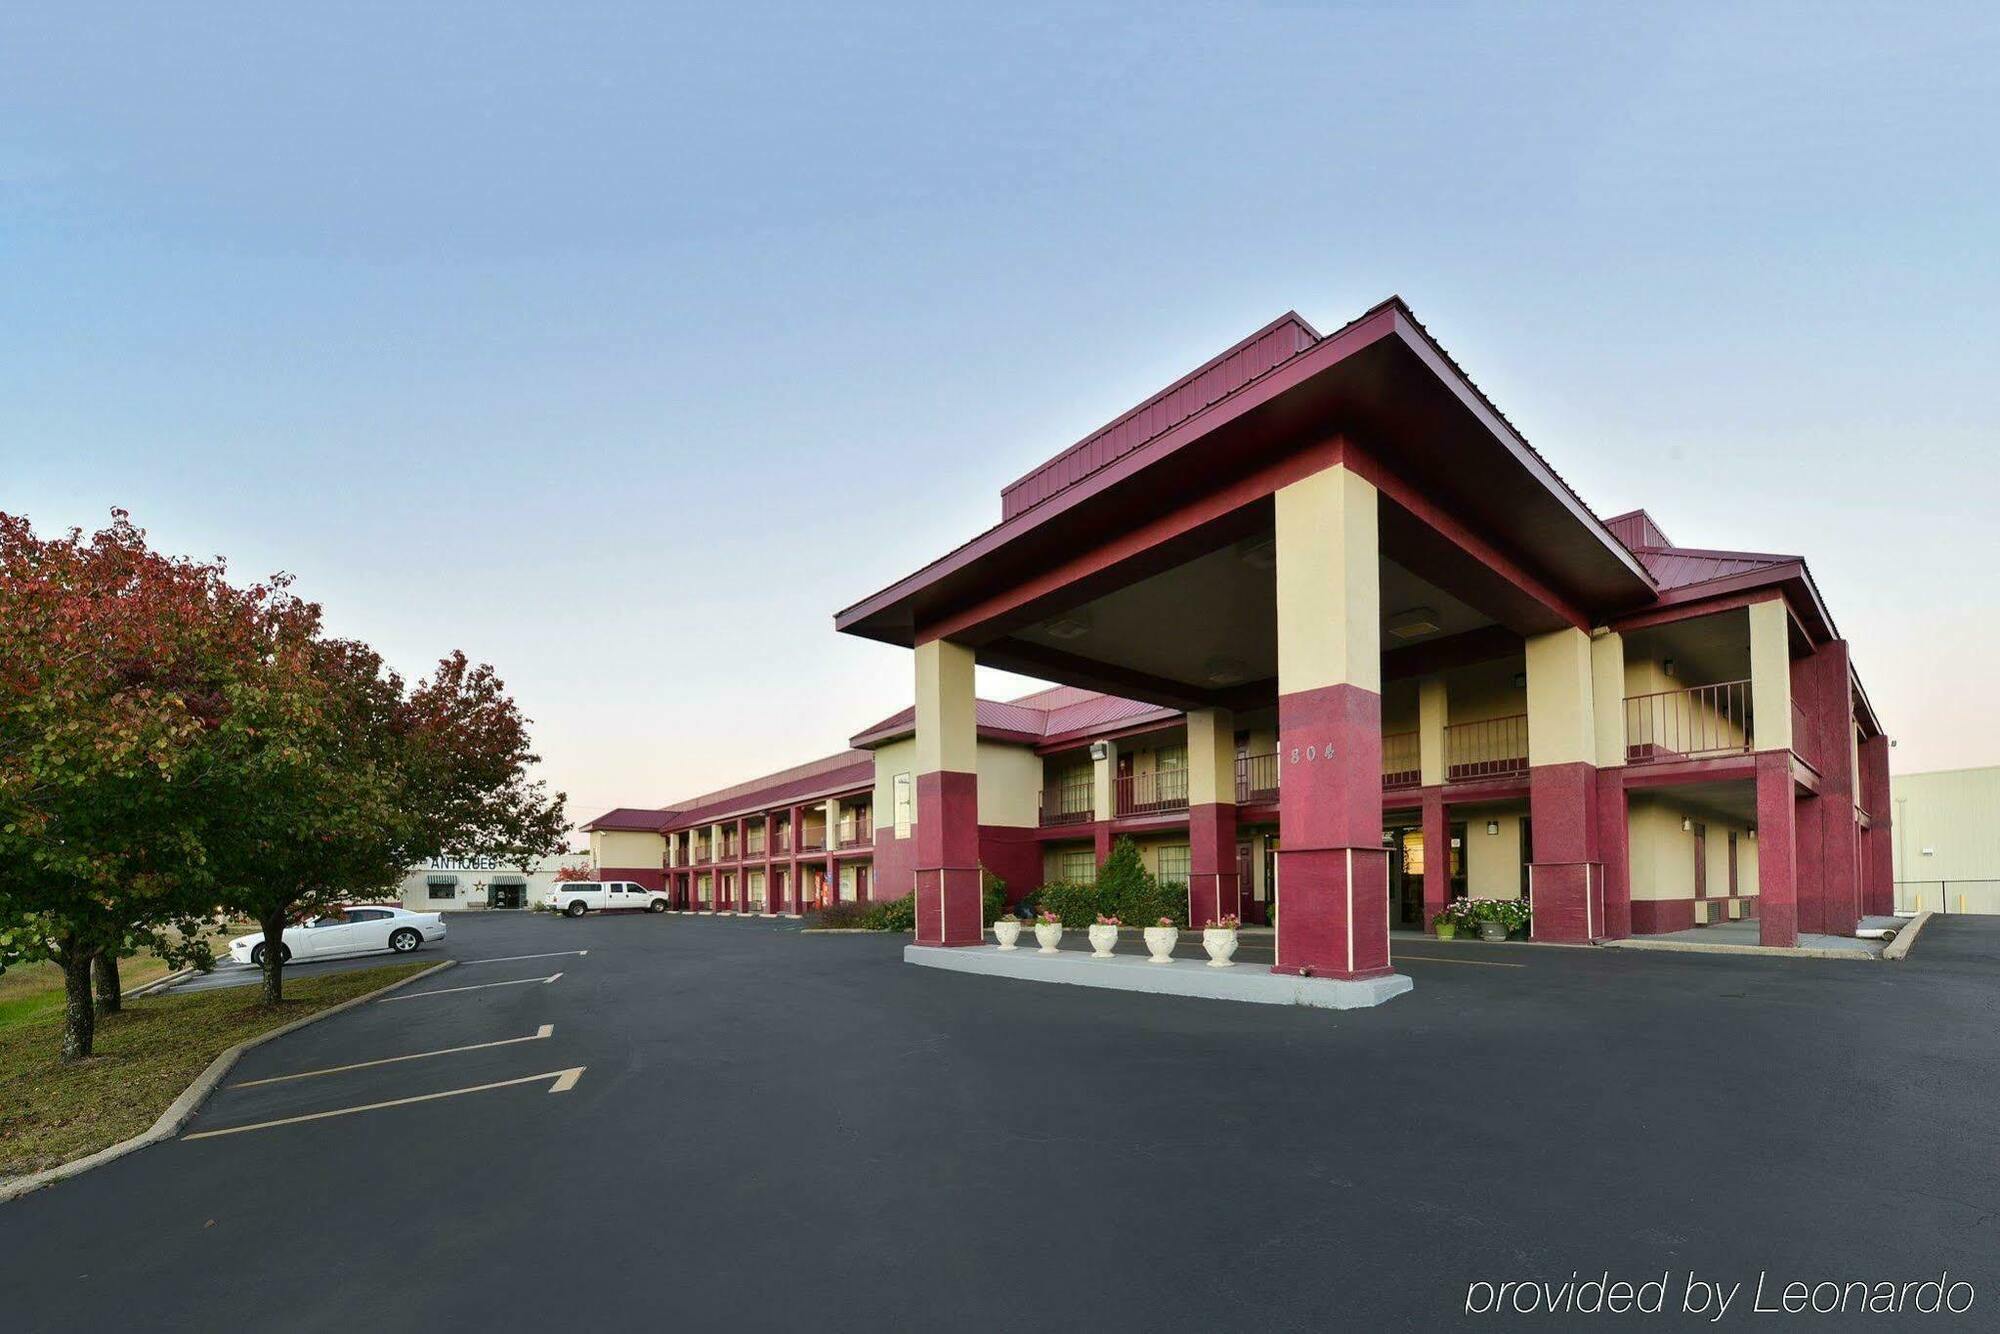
(1245, 882)
(1701, 861)
(508, 895)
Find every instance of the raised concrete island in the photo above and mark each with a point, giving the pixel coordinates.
(1181, 977)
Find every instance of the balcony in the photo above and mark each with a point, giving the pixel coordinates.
(781, 840)
(1696, 723)
(1256, 779)
(1155, 793)
(812, 840)
(699, 855)
(853, 831)
(1072, 801)
(1805, 744)
(753, 846)
(1494, 748)
(1401, 765)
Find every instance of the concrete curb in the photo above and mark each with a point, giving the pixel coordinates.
(1755, 951)
(184, 1107)
(1182, 977)
(1896, 949)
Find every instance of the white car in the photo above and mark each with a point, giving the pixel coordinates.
(368, 929)
(574, 898)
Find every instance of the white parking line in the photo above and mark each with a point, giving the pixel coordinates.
(446, 991)
(516, 958)
(565, 1080)
(546, 1030)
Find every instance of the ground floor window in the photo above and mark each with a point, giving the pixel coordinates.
(1078, 866)
(1174, 864)
(443, 887)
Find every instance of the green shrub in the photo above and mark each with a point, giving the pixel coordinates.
(1075, 903)
(845, 915)
(894, 915)
(1129, 892)
(992, 896)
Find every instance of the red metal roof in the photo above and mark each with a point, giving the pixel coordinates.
(847, 771)
(629, 819)
(1678, 567)
(1057, 711)
(1207, 384)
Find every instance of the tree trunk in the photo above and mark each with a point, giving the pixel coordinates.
(274, 957)
(104, 971)
(79, 1020)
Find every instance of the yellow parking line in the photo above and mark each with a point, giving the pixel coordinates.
(1438, 958)
(546, 1030)
(565, 1080)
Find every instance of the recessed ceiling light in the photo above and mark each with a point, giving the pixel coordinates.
(1074, 626)
(1414, 623)
(1224, 671)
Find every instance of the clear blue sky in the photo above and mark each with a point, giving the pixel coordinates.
(621, 348)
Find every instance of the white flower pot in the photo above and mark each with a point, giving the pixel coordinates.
(1160, 941)
(1049, 934)
(1220, 942)
(1102, 938)
(1492, 931)
(1007, 932)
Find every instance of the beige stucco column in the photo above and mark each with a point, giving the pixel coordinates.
(1565, 874)
(1213, 890)
(1777, 808)
(1433, 712)
(1104, 782)
(1771, 675)
(1333, 908)
(947, 782)
(1614, 833)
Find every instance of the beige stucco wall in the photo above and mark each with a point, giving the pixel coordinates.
(625, 850)
(1663, 852)
(1493, 861)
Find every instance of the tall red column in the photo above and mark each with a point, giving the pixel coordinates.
(1829, 859)
(1437, 855)
(1777, 836)
(1614, 849)
(1878, 871)
(1214, 890)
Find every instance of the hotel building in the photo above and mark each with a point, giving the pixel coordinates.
(1319, 618)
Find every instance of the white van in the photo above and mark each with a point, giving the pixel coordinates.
(574, 898)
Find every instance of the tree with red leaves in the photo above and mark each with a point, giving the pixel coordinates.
(115, 667)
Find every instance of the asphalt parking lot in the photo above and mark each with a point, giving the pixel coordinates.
(722, 1123)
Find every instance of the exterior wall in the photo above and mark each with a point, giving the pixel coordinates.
(1945, 834)
(1663, 880)
(1492, 861)
(617, 848)
(1010, 780)
(473, 880)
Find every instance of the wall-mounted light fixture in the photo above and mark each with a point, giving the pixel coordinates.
(1687, 825)
(1100, 750)
(1667, 666)
(1753, 833)
(1520, 680)
(1492, 826)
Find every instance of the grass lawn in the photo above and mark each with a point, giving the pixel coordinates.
(32, 989)
(146, 1056)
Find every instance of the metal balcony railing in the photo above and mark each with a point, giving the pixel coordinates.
(1256, 779)
(699, 855)
(1494, 748)
(1687, 724)
(1152, 793)
(1401, 765)
(1072, 801)
(781, 840)
(853, 831)
(812, 840)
